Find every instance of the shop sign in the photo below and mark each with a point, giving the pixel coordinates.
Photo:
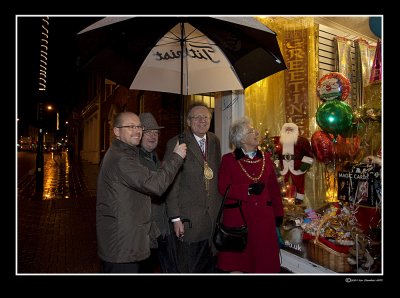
(296, 78)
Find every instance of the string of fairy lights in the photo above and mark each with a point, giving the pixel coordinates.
(44, 46)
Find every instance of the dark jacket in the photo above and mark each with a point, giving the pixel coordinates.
(188, 198)
(158, 207)
(123, 207)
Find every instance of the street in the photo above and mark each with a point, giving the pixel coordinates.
(56, 230)
(25, 165)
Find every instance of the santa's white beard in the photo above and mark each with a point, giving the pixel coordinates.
(288, 138)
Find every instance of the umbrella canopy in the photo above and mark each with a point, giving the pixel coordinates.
(144, 53)
(183, 55)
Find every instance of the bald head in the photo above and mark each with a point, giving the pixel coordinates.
(120, 118)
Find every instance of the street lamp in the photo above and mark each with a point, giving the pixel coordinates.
(52, 116)
(39, 150)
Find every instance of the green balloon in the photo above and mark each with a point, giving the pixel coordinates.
(335, 117)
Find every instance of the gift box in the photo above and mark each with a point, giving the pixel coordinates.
(360, 185)
(344, 188)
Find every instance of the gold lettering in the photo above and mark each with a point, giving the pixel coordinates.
(295, 65)
(297, 86)
(295, 43)
(295, 109)
(298, 98)
(296, 75)
(296, 53)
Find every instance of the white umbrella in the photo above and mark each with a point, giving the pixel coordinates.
(145, 53)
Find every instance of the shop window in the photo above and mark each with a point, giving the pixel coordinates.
(208, 100)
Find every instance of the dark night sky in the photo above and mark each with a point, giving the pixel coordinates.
(62, 65)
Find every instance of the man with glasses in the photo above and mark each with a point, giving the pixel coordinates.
(193, 200)
(161, 252)
(123, 206)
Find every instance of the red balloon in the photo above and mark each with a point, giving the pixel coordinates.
(347, 148)
(322, 146)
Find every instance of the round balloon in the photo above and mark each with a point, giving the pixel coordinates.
(333, 86)
(322, 146)
(334, 117)
(347, 148)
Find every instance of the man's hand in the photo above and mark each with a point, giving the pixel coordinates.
(180, 149)
(179, 229)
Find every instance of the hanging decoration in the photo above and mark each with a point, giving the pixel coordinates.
(376, 71)
(368, 116)
(364, 55)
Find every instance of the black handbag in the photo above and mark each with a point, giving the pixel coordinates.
(230, 238)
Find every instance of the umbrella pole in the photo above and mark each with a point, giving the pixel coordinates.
(182, 119)
(182, 114)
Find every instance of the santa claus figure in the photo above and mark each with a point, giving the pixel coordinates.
(295, 157)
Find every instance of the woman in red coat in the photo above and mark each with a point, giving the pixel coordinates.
(250, 175)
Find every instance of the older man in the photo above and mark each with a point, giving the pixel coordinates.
(193, 200)
(162, 254)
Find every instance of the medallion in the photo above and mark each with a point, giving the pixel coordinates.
(208, 172)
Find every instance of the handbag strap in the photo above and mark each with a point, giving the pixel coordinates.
(238, 204)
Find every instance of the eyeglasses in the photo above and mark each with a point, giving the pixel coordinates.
(138, 127)
(201, 117)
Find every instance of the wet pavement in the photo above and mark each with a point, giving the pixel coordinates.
(56, 230)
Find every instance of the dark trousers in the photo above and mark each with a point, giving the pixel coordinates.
(166, 254)
(108, 267)
(195, 257)
(162, 259)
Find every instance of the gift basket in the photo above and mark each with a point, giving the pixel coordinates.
(319, 252)
(329, 233)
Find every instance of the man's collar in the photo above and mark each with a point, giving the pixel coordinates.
(145, 152)
(198, 138)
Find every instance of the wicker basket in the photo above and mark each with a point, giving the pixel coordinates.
(325, 256)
